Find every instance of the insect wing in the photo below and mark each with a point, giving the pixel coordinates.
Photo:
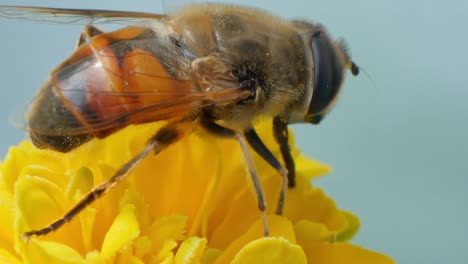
(171, 7)
(124, 83)
(76, 16)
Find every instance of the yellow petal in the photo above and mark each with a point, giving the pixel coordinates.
(124, 230)
(87, 219)
(94, 257)
(81, 181)
(58, 178)
(172, 189)
(198, 187)
(310, 168)
(309, 232)
(243, 211)
(8, 258)
(32, 193)
(142, 246)
(7, 207)
(12, 166)
(131, 196)
(169, 228)
(343, 253)
(165, 254)
(351, 228)
(270, 250)
(37, 251)
(279, 227)
(309, 203)
(191, 250)
(210, 255)
(107, 207)
(126, 256)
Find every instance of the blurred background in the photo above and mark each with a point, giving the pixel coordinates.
(399, 148)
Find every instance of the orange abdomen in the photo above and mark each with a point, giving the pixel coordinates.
(115, 80)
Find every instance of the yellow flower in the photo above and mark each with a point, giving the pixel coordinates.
(192, 203)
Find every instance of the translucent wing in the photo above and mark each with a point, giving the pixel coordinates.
(117, 110)
(131, 81)
(75, 16)
(172, 6)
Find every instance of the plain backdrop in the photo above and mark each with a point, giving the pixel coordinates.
(399, 148)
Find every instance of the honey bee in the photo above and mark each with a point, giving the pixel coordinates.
(217, 66)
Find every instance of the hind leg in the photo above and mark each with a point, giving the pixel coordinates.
(165, 137)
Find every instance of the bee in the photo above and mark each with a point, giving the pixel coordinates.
(217, 66)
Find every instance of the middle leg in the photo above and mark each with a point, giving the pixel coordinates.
(216, 129)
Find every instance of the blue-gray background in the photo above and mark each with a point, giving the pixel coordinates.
(399, 149)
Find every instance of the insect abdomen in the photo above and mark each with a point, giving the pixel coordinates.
(50, 122)
(105, 85)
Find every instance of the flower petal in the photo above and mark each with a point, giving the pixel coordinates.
(270, 250)
(37, 251)
(162, 212)
(343, 253)
(7, 207)
(309, 232)
(210, 255)
(167, 228)
(33, 192)
(279, 227)
(351, 228)
(7, 257)
(12, 165)
(81, 181)
(243, 211)
(310, 168)
(191, 250)
(307, 202)
(164, 233)
(124, 230)
(126, 256)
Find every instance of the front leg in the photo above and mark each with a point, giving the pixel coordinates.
(280, 131)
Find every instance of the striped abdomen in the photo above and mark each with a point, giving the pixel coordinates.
(117, 79)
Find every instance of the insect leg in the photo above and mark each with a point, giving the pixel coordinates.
(256, 143)
(225, 132)
(166, 136)
(88, 32)
(280, 132)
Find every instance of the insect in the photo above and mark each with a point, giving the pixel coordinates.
(217, 66)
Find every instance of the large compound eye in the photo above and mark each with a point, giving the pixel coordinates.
(328, 75)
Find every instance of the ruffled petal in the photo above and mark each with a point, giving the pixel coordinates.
(37, 251)
(343, 253)
(123, 231)
(191, 250)
(309, 203)
(8, 258)
(279, 227)
(164, 233)
(191, 203)
(270, 250)
(33, 192)
(7, 213)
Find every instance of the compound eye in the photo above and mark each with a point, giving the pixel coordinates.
(328, 75)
